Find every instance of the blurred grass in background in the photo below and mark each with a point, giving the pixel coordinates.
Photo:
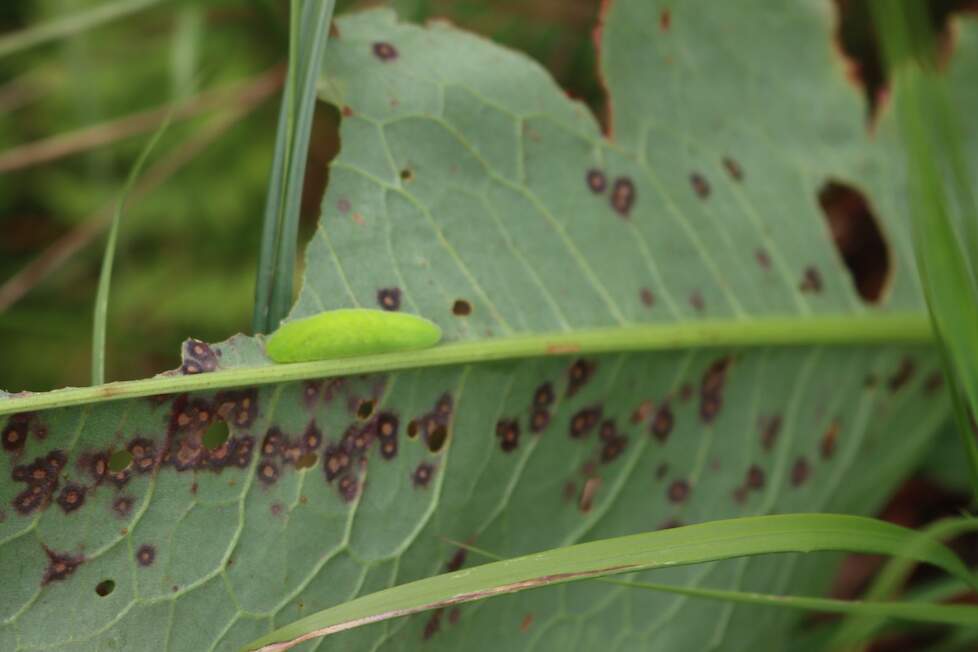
(189, 242)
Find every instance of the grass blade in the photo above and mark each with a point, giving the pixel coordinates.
(684, 545)
(105, 275)
(309, 31)
(893, 576)
(943, 207)
(72, 24)
(934, 614)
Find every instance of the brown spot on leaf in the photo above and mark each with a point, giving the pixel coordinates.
(800, 472)
(579, 374)
(902, 375)
(733, 168)
(384, 51)
(647, 298)
(526, 623)
(461, 308)
(623, 196)
(588, 492)
(811, 280)
(755, 478)
(700, 185)
(762, 258)
(596, 181)
(60, 566)
(198, 357)
(584, 421)
(642, 412)
(267, 472)
(457, 561)
(348, 488)
(613, 448)
(857, 236)
(665, 20)
(543, 396)
(389, 298)
(696, 301)
(14, 435)
(71, 497)
(433, 625)
(678, 491)
(539, 420)
(933, 382)
(829, 440)
(336, 460)
(508, 432)
(422, 474)
(662, 423)
(146, 555)
(122, 506)
(770, 428)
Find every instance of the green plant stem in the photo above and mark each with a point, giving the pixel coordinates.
(837, 331)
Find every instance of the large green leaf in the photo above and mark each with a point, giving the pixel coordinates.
(469, 191)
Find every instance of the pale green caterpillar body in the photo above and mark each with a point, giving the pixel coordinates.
(349, 332)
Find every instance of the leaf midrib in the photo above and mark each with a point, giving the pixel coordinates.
(888, 329)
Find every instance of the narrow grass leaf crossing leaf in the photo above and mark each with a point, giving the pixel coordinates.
(685, 545)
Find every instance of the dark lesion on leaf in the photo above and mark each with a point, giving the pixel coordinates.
(389, 298)
(678, 491)
(423, 474)
(146, 555)
(623, 196)
(198, 357)
(733, 168)
(700, 185)
(662, 422)
(584, 421)
(596, 181)
(508, 433)
(384, 51)
(60, 566)
(579, 374)
(904, 373)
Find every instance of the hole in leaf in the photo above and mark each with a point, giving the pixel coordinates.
(216, 435)
(104, 588)
(365, 409)
(306, 461)
(857, 236)
(120, 461)
(436, 438)
(461, 308)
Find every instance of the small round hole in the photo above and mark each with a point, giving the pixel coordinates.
(216, 435)
(461, 308)
(104, 588)
(365, 409)
(436, 438)
(120, 461)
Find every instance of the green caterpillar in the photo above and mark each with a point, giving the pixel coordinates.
(350, 332)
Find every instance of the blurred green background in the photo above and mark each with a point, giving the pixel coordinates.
(74, 114)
